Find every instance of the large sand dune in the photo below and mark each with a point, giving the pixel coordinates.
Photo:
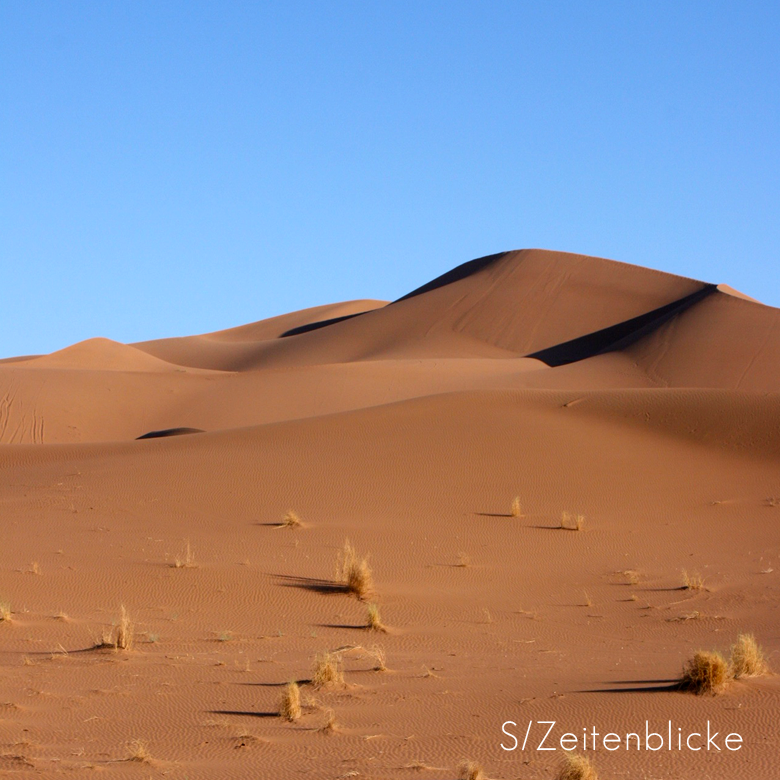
(646, 402)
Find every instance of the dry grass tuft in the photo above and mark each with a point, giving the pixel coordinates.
(330, 726)
(327, 671)
(631, 575)
(517, 510)
(5, 612)
(186, 560)
(374, 622)
(471, 770)
(747, 658)
(378, 653)
(290, 702)
(706, 672)
(354, 572)
(570, 522)
(695, 615)
(576, 767)
(693, 581)
(139, 752)
(291, 520)
(463, 561)
(123, 633)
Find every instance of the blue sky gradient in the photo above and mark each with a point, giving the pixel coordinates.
(180, 167)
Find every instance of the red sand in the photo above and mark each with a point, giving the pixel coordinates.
(408, 428)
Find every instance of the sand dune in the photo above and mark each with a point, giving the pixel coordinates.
(99, 355)
(237, 348)
(645, 402)
(531, 319)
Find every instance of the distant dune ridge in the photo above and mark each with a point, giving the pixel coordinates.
(456, 437)
(510, 320)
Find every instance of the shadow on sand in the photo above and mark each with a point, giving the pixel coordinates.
(639, 686)
(247, 714)
(312, 584)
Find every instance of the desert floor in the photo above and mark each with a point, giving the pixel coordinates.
(648, 404)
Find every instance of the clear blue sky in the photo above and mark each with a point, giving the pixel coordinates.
(169, 168)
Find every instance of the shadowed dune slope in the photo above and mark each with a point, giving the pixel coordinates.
(239, 348)
(724, 341)
(507, 305)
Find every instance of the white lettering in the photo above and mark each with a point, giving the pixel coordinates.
(710, 739)
(737, 738)
(552, 723)
(649, 734)
(509, 734)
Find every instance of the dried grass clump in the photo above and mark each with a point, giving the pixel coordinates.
(354, 572)
(706, 672)
(570, 522)
(291, 520)
(123, 636)
(693, 581)
(139, 752)
(471, 770)
(290, 702)
(186, 560)
(5, 612)
(374, 622)
(327, 671)
(517, 510)
(464, 561)
(330, 726)
(576, 767)
(747, 658)
(378, 653)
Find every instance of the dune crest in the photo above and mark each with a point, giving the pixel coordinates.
(100, 354)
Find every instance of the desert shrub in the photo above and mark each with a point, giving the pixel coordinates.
(123, 632)
(291, 520)
(471, 770)
(576, 767)
(706, 672)
(290, 702)
(374, 621)
(692, 581)
(327, 671)
(747, 658)
(570, 522)
(354, 572)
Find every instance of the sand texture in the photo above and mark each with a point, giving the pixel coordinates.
(645, 403)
